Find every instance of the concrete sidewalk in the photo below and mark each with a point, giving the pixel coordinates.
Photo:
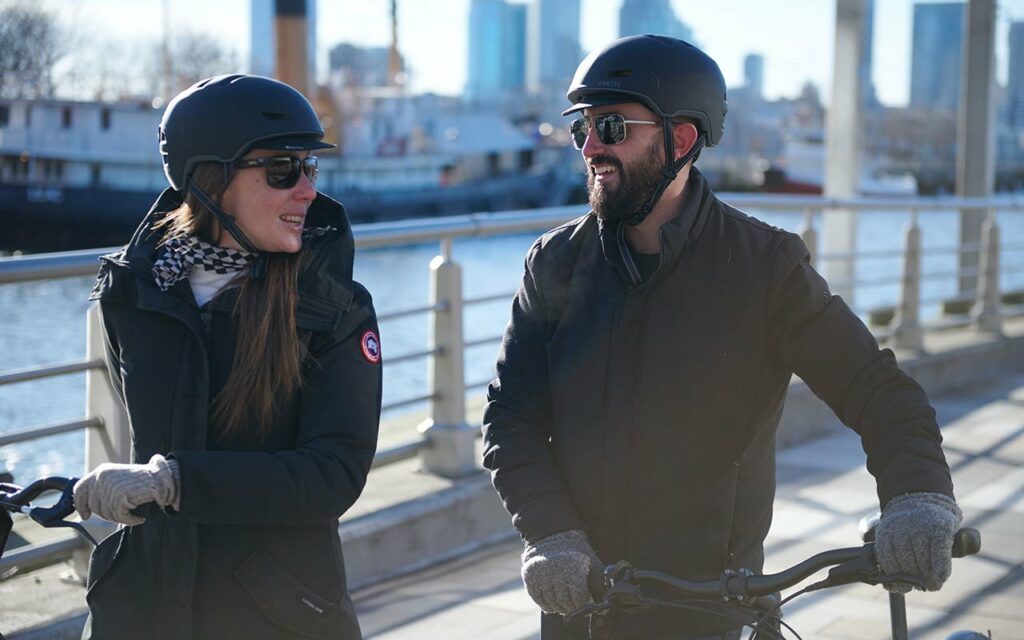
(823, 491)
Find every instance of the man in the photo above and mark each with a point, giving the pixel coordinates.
(643, 372)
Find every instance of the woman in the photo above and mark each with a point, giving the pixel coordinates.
(248, 362)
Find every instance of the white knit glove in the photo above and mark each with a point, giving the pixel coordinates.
(555, 571)
(112, 490)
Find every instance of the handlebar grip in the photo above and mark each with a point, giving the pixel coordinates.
(966, 542)
(595, 583)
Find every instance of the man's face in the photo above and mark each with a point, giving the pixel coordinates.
(621, 176)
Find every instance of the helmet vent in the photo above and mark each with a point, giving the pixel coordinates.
(620, 73)
(274, 115)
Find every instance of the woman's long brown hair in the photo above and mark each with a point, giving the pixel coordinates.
(267, 367)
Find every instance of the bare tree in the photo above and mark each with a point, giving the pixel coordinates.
(30, 46)
(194, 55)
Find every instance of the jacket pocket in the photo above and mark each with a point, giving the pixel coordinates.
(284, 600)
(104, 557)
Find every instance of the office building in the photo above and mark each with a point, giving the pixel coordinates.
(497, 50)
(935, 55)
(1015, 83)
(552, 45)
(651, 16)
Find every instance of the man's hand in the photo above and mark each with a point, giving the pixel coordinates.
(555, 571)
(111, 490)
(915, 536)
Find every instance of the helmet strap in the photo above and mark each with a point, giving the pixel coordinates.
(259, 267)
(669, 171)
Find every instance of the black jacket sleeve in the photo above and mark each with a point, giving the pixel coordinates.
(815, 335)
(517, 418)
(322, 476)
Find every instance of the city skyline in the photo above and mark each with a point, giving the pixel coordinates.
(794, 37)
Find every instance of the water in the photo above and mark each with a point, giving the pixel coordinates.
(44, 322)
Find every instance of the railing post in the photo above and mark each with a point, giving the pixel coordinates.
(986, 314)
(907, 333)
(809, 235)
(451, 443)
(112, 441)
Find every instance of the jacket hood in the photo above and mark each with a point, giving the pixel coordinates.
(325, 274)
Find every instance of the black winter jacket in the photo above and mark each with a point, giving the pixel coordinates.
(645, 413)
(254, 551)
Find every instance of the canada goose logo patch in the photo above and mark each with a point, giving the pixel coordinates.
(370, 346)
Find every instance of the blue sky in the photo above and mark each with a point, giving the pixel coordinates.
(795, 36)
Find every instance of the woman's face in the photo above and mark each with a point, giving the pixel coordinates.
(271, 218)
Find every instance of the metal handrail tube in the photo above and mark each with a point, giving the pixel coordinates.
(964, 295)
(951, 250)
(35, 556)
(408, 402)
(381, 234)
(936, 275)
(49, 371)
(493, 297)
(35, 433)
(397, 453)
(412, 355)
(476, 342)
(419, 230)
(479, 385)
(412, 311)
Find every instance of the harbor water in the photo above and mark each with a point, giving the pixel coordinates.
(43, 323)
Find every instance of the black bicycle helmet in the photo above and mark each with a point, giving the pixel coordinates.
(670, 77)
(220, 119)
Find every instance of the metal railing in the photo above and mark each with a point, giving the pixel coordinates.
(447, 443)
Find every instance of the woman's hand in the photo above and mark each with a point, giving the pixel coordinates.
(112, 490)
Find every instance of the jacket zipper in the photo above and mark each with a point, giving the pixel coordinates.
(627, 257)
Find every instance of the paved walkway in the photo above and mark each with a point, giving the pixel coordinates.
(823, 492)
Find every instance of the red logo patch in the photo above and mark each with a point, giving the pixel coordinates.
(370, 346)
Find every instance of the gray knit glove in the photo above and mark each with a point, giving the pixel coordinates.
(112, 490)
(915, 536)
(555, 571)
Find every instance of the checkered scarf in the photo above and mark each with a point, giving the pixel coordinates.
(178, 256)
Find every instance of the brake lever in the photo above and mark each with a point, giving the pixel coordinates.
(865, 570)
(622, 594)
(52, 517)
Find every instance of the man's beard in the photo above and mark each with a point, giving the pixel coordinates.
(635, 184)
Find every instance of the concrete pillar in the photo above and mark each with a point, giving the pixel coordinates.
(986, 315)
(842, 138)
(112, 442)
(810, 236)
(975, 161)
(451, 443)
(907, 332)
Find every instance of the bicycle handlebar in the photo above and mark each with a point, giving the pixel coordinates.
(16, 499)
(854, 564)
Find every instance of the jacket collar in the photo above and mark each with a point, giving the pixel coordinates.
(325, 275)
(676, 234)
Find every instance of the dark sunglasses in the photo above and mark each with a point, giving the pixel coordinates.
(283, 171)
(610, 128)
